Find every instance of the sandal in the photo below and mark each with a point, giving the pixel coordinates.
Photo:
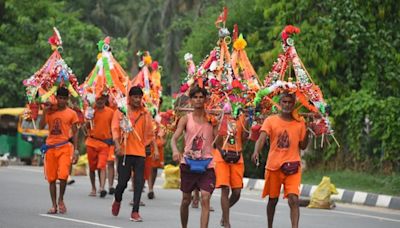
(195, 203)
(103, 193)
(52, 211)
(93, 193)
(62, 208)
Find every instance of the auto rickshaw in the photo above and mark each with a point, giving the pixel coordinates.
(19, 137)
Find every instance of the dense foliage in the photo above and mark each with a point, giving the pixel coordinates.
(351, 49)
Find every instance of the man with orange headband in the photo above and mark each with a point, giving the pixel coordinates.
(58, 151)
(287, 136)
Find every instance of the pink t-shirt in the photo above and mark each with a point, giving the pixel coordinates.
(198, 139)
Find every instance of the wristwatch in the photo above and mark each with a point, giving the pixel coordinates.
(76, 152)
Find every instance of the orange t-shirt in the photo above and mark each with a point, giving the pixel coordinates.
(101, 128)
(285, 137)
(143, 127)
(237, 145)
(60, 125)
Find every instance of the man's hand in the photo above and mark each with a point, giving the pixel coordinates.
(75, 157)
(254, 158)
(176, 156)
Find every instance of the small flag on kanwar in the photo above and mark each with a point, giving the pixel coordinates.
(222, 17)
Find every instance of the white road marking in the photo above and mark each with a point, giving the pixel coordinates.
(366, 216)
(78, 221)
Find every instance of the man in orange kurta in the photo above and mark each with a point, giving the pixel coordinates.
(59, 152)
(287, 136)
(98, 143)
(229, 172)
(130, 148)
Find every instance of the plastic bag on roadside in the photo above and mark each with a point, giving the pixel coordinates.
(172, 177)
(321, 198)
(79, 169)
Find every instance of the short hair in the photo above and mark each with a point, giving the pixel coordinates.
(136, 90)
(197, 89)
(287, 94)
(62, 91)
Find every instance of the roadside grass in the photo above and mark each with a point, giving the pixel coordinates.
(356, 181)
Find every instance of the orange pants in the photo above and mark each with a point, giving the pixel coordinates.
(160, 162)
(148, 167)
(230, 175)
(57, 162)
(97, 157)
(111, 154)
(275, 179)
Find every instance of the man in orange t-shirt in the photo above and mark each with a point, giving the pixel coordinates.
(59, 152)
(98, 144)
(131, 152)
(157, 160)
(229, 173)
(287, 136)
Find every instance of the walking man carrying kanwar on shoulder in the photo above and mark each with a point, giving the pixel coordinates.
(197, 168)
(98, 144)
(229, 167)
(287, 136)
(131, 154)
(59, 152)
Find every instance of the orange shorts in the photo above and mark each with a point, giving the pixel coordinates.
(111, 154)
(230, 175)
(147, 167)
(275, 179)
(57, 162)
(160, 162)
(97, 157)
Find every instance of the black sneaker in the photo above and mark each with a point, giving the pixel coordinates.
(150, 195)
(103, 193)
(111, 191)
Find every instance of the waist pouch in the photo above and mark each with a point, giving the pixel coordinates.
(198, 165)
(109, 142)
(44, 148)
(230, 156)
(147, 149)
(289, 168)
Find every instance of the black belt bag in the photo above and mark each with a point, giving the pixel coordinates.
(230, 156)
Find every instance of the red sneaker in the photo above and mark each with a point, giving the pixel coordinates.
(115, 208)
(136, 217)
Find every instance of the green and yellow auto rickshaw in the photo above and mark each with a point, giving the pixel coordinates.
(19, 137)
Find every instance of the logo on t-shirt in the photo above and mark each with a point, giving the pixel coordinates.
(56, 129)
(197, 143)
(283, 140)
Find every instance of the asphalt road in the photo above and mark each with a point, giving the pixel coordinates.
(24, 201)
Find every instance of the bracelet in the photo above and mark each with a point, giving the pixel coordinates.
(76, 152)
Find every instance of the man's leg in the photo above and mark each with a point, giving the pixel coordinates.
(124, 174)
(271, 210)
(293, 201)
(92, 176)
(53, 194)
(186, 198)
(152, 181)
(102, 179)
(205, 208)
(111, 171)
(196, 198)
(139, 182)
(235, 196)
(225, 206)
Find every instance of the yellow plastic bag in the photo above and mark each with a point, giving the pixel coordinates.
(172, 177)
(321, 198)
(79, 169)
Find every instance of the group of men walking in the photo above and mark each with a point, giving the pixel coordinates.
(208, 161)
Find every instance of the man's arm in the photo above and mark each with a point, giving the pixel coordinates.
(303, 144)
(75, 142)
(259, 145)
(115, 130)
(42, 123)
(181, 127)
